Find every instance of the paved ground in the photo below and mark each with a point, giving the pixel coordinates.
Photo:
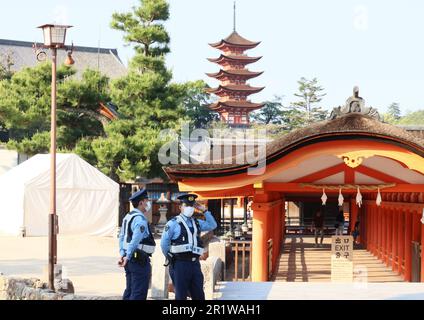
(320, 291)
(304, 273)
(90, 262)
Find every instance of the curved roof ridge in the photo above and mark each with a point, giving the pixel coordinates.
(346, 125)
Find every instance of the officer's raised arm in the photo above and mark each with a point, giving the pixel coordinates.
(209, 223)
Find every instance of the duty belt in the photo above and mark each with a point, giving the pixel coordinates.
(187, 257)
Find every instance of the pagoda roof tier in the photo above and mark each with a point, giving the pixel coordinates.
(235, 40)
(235, 72)
(235, 88)
(235, 104)
(234, 58)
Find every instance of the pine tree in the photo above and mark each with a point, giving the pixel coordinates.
(147, 100)
(25, 108)
(310, 94)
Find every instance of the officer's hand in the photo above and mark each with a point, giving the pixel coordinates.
(124, 262)
(200, 207)
(120, 261)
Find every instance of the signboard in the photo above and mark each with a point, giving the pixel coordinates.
(342, 259)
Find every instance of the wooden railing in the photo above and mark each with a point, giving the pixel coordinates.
(242, 254)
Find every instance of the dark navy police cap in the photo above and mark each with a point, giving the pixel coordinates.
(139, 195)
(188, 199)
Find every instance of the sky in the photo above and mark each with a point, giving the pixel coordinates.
(375, 44)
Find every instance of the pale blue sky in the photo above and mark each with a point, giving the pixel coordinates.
(376, 44)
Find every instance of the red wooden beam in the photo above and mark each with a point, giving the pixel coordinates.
(401, 240)
(407, 250)
(379, 175)
(321, 174)
(349, 175)
(394, 239)
(296, 187)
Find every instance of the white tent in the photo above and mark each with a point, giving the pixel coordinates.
(87, 200)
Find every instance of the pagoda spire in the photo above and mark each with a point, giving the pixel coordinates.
(234, 17)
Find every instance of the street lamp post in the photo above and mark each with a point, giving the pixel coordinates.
(54, 39)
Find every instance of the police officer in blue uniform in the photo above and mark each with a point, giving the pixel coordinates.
(182, 246)
(136, 245)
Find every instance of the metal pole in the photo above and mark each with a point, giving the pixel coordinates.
(52, 215)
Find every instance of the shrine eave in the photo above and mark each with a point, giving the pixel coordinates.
(234, 39)
(235, 88)
(235, 104)
(241, 59)
(240, 73)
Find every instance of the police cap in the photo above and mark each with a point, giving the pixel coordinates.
(189, 199)
(139, 195)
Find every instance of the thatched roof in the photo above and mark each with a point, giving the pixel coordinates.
(350, 126)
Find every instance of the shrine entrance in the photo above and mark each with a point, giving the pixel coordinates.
(375, 170)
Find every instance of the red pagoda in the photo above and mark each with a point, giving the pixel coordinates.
(233, 106)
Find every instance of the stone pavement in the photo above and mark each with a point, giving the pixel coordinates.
(319, 291)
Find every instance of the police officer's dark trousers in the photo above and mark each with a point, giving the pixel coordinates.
(138, 278)
(187, 277)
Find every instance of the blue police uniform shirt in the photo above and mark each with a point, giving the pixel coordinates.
(138, 224)
(172, 229)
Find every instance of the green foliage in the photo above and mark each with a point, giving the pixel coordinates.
(394, 110)
(143, 27)
(25, 103)
(310, 94)
(147, 101)
(196, 104)
(413, 118)
(6, 63)
(271, 113)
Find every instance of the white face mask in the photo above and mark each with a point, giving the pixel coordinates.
(148, 206)
(188, 211)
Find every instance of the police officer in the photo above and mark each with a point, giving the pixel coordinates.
(182, 246)
(136, 245)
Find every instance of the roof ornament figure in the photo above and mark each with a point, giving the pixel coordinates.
(355, 104)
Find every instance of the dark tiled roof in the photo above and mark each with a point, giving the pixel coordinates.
(235, 72)
(237, 40)
(236, 104)
(348, 126)
(106, 60)
(239, 58)
(235, 87)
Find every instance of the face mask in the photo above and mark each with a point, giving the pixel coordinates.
(148, 206)
(188, 211)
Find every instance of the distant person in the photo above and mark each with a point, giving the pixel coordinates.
(355, 232)
(340, 223)
(318, 227)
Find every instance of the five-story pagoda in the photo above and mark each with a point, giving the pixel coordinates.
(233, 90)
